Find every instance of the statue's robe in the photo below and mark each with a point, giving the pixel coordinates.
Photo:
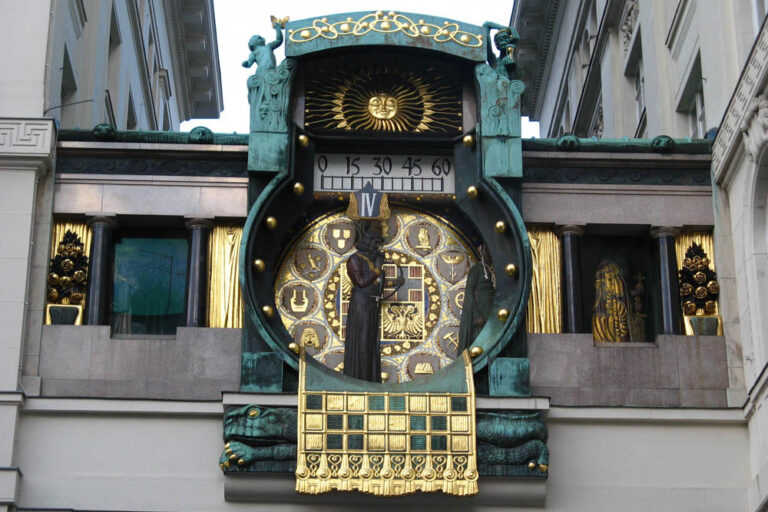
(362, 356)
(478, 305)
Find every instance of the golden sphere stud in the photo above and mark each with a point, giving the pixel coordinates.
(544, 467)
(475, 351)
(259, 265)
(472, 192)
(268, 311)
(271, 222)
(511, 270)
(501, 226)
(293, 347)
(298, 188)
(531, 465)
(303, 140)
(503, 314)
(468, 141)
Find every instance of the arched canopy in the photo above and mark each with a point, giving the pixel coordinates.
(378, 28)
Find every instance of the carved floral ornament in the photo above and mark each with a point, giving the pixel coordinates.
(755, 127)
(386, 23)
(628, 25)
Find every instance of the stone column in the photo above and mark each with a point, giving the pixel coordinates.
(97, 298)
(573, 308)
(197, 271)
(671, 315)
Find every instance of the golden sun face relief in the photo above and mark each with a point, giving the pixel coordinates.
(382, 95)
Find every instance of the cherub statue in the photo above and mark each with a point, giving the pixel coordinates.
(505, 40)
(263, 54)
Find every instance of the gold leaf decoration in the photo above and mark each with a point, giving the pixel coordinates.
(383, 94)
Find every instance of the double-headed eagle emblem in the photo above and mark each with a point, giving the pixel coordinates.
(403, 322)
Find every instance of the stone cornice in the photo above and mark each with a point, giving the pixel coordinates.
(745, 117)
(192, 32)
(27, 143)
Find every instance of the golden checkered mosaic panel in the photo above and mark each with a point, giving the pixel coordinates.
(386, 444)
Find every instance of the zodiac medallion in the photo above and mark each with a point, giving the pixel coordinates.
(423, 238)
(312, 335)
(310, 262)
(422, 364)
(448, 340)
(340, 236)
(299, 300)
(452, 265)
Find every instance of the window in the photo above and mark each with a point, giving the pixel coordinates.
(149, 284)
(698, 125)
(691, 103)
(113, 63)
(130, 123)
(640, 91)
(68, 92)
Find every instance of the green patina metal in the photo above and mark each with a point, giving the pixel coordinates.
(661, 144)
(198, 135)
(386, 28)
(499, 123)
(510, 443)
(269, 95)
(263, 439)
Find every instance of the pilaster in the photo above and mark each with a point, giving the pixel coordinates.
(27, 152)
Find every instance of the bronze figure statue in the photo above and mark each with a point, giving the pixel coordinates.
(479, 293)
(362, 357)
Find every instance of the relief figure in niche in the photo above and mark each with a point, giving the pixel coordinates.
(479, 292)
(616, 308)
(362, 357)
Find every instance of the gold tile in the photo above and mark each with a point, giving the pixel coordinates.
(438, 403)
(397, 422)
(313, 441)
(417, 403)
(335, 402)
(460, 423)
(356, 403)
(377, 422)
(377, 441)
(460, 443)
(397, 442)
(313, 421)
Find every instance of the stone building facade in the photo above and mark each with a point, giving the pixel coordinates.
(632, 68)
(123, 414)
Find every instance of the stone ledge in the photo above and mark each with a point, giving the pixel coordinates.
(280, 488)
(674, 371)
(85, 362)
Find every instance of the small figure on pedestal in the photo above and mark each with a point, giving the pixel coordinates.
(263, 54)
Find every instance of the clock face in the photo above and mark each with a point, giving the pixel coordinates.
(418, 322)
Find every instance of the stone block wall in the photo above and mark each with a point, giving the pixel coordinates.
(674, 371)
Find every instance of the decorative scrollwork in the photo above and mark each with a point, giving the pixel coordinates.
(386, 23)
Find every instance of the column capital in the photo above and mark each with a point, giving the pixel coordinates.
(570, 229)
(203, 222)
(110, 219)
(662, 231)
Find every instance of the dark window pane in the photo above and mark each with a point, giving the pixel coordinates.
(149, 285)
